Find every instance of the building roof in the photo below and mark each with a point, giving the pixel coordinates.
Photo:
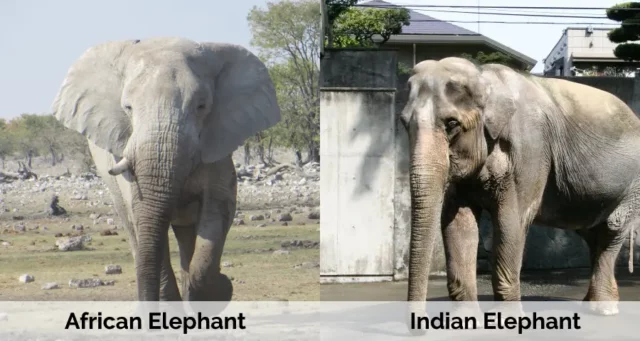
(433, 31)
(423, 24)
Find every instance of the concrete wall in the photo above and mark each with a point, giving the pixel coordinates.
(357, 147)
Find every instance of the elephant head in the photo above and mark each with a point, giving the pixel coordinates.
(161, 107)
(454, 109)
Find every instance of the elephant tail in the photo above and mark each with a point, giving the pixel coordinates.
(631, 242)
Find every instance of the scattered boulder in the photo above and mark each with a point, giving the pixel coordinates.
(26, 278)
(108, 233)
(72, 243)
(238, 222)
(50, 286)
(110, 221)
(20, 228)
(314, 215)
(262, 225)
(113, 269)
(305, 244)
(285, 217)
(80, 197)
(256, 217)
(307, 265)
(281, 252)
(227, 264)
(88, 283)
(54, 207)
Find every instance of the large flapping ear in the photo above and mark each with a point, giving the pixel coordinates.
(499, 101)
(244, 100)
(89, 98)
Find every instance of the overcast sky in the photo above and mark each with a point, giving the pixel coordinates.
(40, 39)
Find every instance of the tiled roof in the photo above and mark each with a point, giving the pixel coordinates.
(424, 24)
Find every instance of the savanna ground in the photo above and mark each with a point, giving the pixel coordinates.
(253, 255)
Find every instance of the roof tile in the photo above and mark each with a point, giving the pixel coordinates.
(418, 25)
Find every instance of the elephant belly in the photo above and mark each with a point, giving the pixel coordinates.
(187, 215)
(561, 211)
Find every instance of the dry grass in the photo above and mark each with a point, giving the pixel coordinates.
(257, 273)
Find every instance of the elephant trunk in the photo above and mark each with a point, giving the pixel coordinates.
(158, 165)
(428, 174)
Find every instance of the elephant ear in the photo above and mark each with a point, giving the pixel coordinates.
(499, 101)
(89, 98)
(244, 100)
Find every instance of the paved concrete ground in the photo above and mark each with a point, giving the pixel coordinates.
(535, 286)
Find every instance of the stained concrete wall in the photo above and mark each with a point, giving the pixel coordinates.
(357, 148)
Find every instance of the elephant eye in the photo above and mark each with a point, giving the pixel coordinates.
(201, 106)
(127, 107)
(451, 124)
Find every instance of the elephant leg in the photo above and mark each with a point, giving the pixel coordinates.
(460, 235)
(168, 284)
(186, 236)
(590, 238)
(604, 249)
(509, 237)
(206, 282)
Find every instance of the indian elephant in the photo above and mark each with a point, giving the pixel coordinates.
(162, 117)
(525, 149)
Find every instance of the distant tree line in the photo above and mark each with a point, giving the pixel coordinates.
(31, 135)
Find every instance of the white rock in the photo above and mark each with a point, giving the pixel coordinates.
(50, 286)
(70, 243)
(112, 269)
(26, 278)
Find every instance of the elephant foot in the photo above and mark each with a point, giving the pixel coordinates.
(223, 289)
(216, 299)
(467, 308)
(416, 311)
(603, 308)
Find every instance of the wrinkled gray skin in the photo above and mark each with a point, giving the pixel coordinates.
(526, 149)
(162, 117)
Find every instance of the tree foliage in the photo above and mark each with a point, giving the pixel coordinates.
(494, 58)
(350, 26)
(286, 35)
(356, 27)
(628, 31)
(31, 135)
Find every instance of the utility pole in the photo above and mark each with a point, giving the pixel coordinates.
(323, 25)
(478, 16)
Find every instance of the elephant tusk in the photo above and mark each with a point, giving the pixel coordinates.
(120, 167)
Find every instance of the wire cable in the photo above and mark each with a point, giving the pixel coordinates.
(516, 14)
(493, 7)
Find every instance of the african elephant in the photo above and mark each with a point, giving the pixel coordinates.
(525, 149)
(162, 118)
